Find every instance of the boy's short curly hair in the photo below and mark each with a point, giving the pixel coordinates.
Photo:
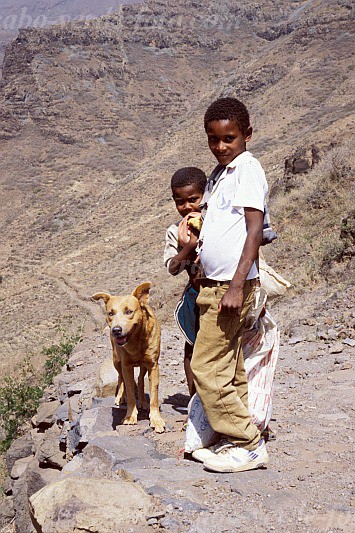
(189, 176)
(228, 109)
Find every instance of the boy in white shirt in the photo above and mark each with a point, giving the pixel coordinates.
(231, 234)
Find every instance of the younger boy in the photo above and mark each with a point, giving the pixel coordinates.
(231, 234)
(187, 185)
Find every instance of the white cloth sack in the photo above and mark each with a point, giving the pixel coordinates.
(199, 433)
(274, 284)
(261, 341)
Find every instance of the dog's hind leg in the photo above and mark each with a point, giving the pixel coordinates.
(156, 420)
(120, 397)
(120, 393)
(142, 402)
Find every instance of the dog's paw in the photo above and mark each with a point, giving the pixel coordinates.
(157, 423)
(130, 420)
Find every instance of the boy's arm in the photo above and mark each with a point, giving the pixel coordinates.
(232, 301)
(187, 255)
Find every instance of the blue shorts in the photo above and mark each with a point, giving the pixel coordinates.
(187, 314)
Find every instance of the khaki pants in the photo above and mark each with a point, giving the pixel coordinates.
(218, 367)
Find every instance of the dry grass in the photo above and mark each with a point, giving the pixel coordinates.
(309, 219)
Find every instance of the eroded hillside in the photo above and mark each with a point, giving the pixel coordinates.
(97, 115)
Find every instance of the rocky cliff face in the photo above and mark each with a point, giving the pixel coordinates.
(97, 115)
(17, 14)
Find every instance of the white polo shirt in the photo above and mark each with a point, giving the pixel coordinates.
(242, 184)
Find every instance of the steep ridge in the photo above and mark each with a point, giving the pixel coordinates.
(17, 14)
(97, 116)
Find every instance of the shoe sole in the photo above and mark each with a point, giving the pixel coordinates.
(252, 465)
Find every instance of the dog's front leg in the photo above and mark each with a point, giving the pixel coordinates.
(120, 397)
(155, 418)
(132, 411)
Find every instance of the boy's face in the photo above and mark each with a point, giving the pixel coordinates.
(226, 140)
(187, 199)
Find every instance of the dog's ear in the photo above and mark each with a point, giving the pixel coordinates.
(142, 292)
(101, 296)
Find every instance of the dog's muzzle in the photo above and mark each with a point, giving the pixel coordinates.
(120, 339)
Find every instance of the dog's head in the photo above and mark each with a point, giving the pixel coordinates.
(125, 313)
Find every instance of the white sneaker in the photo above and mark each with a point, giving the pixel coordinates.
(230, 458)
(203, 454)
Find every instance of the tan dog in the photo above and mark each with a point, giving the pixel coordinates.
(135, 339)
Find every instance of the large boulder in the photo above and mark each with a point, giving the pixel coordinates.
(76, 504)
(107, 380)
(299, 163)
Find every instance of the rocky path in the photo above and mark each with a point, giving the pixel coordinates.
(127, 478)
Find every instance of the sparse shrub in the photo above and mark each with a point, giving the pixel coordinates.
(21, 392)
(19, 399)
(56, 356)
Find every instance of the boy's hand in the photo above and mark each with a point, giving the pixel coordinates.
(231, 302)
(183, 232)
(193, 239)
(187, 235)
